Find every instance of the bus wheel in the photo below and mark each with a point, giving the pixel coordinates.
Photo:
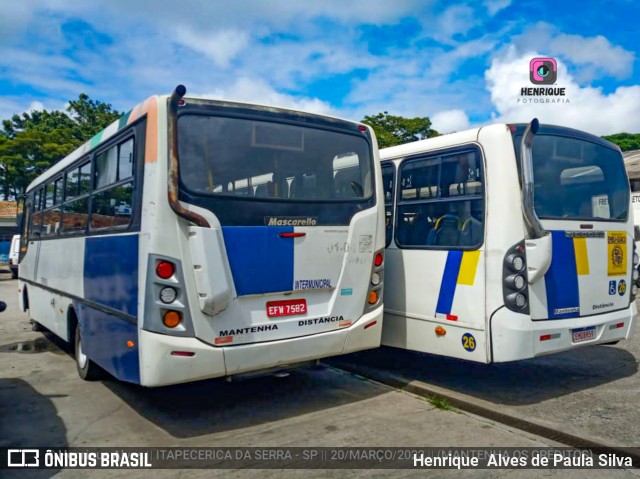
(87, 369)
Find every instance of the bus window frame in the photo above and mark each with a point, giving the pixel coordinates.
(137, 131)
(394, 171)
(440, 152)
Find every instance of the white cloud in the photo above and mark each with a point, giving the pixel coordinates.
(454, 20)
(596, 52)
(494, 6)
(36, 106)
(588, 109)
(221, 46)
(595, 57)
(449, 121)
(258, 91)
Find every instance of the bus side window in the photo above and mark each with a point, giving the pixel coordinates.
(441, 204)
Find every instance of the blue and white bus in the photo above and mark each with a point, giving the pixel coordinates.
(508, 242)
(195, 238)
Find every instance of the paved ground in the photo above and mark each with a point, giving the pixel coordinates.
(593, 391)
(44, 403)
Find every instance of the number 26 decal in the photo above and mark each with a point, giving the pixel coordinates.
(468, 342)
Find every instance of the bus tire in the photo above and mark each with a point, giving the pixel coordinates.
(87, 369)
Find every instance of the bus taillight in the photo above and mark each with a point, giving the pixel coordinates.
(378, 259)
(171, 319)
(165, 269)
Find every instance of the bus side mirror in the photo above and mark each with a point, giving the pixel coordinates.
(3, 306)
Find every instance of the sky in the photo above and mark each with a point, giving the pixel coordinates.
(463, 64)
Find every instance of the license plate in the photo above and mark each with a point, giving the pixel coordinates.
(289, 307)
(584, 334)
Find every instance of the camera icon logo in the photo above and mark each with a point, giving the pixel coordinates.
(543, 71)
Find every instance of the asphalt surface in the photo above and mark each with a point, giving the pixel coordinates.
(590, 392)
(43, 403)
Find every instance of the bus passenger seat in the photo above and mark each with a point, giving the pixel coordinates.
(470, 232)
(445, 232)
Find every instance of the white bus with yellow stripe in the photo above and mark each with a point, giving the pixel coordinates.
(507, 242)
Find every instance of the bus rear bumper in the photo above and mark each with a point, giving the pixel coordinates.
(160, 366)
(515, 336)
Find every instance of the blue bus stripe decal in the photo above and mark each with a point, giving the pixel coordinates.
(260, 260)
(561, 280)
(449, 280)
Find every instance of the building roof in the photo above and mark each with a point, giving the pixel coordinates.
(8, 209)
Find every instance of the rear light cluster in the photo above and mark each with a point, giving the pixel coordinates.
(514, 279)
(165, 301)
(374, 295)
(635, 274)
(168, 294)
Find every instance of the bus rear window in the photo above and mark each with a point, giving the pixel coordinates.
(261, 160)
(578, 179)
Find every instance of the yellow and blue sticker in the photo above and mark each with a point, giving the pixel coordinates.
(460, 268)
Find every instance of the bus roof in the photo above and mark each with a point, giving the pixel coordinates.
(434, 143)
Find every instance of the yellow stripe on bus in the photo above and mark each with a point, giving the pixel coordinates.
(582, 258)
(468, 267)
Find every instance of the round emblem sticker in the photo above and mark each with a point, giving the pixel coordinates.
(468, 342)
(622, 287)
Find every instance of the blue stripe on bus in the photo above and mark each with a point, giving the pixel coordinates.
(111, 272)
(561, 280)
(449, 280)
(260, 260)
(104, 341)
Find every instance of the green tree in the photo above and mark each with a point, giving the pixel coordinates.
(34, 141)
(394, 130)
(626, 141)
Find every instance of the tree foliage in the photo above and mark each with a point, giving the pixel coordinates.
(626, 141)
(394, 130)
(34, 141)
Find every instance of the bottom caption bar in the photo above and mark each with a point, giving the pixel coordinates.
(319, 458)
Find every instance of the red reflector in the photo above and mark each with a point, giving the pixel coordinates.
(362, 128)
(586, 227)
(520, 248)
(545, 337)
(372, 323)
(181, 102)
(344, 324)
(291, 235)
(452, 317)
(183, 353)
(165, 270)
(223, 339)
(378, 259)
(620, 325)
(512, 127)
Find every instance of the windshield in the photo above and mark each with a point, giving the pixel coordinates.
(577, 179)
(261, 160)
